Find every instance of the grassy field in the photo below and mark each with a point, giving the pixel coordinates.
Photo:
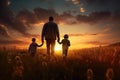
(85, 64)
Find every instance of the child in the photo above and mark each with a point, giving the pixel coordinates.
(65, 45)
(33, 47)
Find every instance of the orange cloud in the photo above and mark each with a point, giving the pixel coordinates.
(3, 31)
(75, 1)
(82, 10)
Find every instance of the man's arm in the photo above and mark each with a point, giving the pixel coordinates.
(39, 45)
(60, 42)
(58, 35)
(43, 33)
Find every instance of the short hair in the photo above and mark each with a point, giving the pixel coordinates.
(66, 36)
(33, 39)
(51, 18)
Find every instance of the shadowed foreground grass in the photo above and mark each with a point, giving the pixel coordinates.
(41, 67)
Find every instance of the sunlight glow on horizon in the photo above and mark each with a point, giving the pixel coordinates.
(58, 47)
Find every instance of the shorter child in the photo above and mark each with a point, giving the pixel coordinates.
(65, 45)
(33, 47)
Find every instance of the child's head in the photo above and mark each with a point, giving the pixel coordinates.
(33, 39)
(66, 36)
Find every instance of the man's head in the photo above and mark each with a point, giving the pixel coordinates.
(51, 18)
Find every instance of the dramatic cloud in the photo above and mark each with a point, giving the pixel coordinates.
(26, 17)
(43, 14)
(23, 21)
(8, 19)
(75, 1)
(94, 17)
(112, 5)
(3, 31)
(97, 5)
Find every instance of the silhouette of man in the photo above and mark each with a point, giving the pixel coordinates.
(50, 32)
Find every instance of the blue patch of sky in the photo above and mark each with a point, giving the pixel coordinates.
(17, 5)
(59, 6)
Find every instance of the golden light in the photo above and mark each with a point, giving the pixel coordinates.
(82, 10)
(58, 47)
(39, 24)
(61, 23)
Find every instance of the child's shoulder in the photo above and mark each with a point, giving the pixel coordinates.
(33, 43)
(65, 40)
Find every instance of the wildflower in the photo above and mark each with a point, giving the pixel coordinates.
(109, 74)
(44, 63)
(17, 58)
(9, 58)
(18, 68)
(89, 74)
(9, 61)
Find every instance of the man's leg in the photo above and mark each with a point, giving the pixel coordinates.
(48, 46)
(52, 47)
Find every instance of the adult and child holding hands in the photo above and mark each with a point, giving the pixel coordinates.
(50, 33)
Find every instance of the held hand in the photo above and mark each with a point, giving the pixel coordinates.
(40, 45)
(58, 40)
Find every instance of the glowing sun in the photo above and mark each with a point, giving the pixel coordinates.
(58, 47)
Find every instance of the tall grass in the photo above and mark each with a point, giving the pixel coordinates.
(85, 64)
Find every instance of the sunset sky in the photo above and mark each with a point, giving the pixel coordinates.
(89, 23)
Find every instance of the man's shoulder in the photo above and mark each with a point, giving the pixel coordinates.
(46, 23)
(63, 40)
(51, 22)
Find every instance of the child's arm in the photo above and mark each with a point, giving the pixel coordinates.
(40, 45)
(60, 42)
(68, 43)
